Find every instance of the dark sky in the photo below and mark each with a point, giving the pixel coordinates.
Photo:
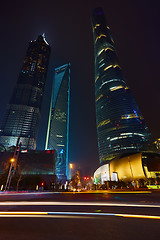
(135, 27)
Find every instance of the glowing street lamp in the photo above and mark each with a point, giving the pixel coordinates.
(71, 167)
(12, 160)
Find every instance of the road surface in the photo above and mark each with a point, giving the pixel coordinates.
(78, 216)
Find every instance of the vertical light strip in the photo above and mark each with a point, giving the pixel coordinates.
(67, 145)
(49, 120)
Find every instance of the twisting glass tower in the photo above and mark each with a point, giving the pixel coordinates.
(58, 126)
(120, 125)
(23, 111)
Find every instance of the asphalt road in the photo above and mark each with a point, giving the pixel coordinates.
(80, 216)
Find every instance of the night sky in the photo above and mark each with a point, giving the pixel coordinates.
(135, 27)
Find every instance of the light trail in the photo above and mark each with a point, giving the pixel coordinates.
(72, 214)
(85, 192)
(25, 203)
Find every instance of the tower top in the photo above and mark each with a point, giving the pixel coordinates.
(98, 16)
(41, 38)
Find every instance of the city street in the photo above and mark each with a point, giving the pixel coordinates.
(80, 215)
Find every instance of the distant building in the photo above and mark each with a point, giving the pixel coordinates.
(23, 112)
(33, 167)
(30, 162)
(120, 125)
(58, 126)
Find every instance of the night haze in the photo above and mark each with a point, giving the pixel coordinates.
(67, 26)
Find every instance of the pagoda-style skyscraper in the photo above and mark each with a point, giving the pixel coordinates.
(24, 109)
(58, 126)
(120, 125)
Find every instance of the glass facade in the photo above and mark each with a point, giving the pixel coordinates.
(120, 125)
(23, 111)
(58, 126)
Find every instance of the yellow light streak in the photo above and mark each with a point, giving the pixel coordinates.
(23, 213)
(97, 25)
(112, 66)
(105, 49)
(102, 35)
(116, 88)
(96, 79)
(103, 123)
(73, 214)
(132, 115)
(108, 67)
(137, 216)
(99, 97)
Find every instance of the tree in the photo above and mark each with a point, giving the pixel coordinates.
(75, 182)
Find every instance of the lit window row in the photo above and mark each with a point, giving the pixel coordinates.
(132, 115)
(99, 97)
(97, 25)
(115, 138)
(102, 65)
(101, 61)
(102, 35)
(105, 49)
(96, 79)
(112, 80)
(103, 123)
(138, 134)
(128, 147)
(112, 66)
(116, 88)
(122, 148)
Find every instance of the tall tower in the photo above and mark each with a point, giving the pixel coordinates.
(58, 126)
(23, 111)
(120, 125)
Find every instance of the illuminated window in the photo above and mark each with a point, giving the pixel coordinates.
(102, 65)
(101, 61)
(113, 80)
(138, 134)
(130, 116)
(105, 49)
(97, 25)
(112, 66)
(96, 78)
(116, 88)
(115, 138)
(99, 97)
(103, 123)
(102, 35)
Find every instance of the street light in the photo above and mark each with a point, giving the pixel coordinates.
(11, 172)
(12, 160)
(71, 167)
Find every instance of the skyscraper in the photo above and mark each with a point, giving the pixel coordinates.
(58, 126)
(24, 109)
(120, 125)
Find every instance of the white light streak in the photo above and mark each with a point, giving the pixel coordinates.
(25, 203)
(113, 80)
